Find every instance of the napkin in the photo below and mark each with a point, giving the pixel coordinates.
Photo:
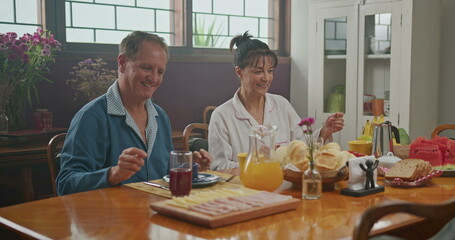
(357, 176)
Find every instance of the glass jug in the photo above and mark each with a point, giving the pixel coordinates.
(262, 170)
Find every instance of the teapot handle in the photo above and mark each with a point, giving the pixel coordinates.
(396, 133)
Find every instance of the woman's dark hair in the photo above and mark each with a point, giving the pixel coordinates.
(249, 51)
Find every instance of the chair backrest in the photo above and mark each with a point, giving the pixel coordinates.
(441, 128)
(206, 114)
(187, 132)
(436, 213)
(54, 148)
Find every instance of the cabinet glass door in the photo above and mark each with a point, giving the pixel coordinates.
(335, 87)
(378, 77)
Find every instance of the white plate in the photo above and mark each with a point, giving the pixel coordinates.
(203, 180)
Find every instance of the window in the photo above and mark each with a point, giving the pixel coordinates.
(20, 16)
(189, 26)
(109, 21)
(215, 22)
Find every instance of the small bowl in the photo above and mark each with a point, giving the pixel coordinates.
(329, 178)
(361, 146)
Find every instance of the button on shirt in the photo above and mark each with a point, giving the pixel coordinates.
(98, 134)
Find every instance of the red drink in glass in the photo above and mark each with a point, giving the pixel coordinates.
(180, 181)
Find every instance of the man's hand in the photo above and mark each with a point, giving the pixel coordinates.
(203, 158)
(129, 163)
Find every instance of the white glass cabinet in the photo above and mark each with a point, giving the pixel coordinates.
(387, 50)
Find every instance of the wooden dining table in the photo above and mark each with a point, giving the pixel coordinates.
(124, 213)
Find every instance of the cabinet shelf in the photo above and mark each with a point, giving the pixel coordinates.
(378, 56)
(335, 57)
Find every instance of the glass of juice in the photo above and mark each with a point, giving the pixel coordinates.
(180, 176)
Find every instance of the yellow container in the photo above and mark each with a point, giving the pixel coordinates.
(361, 146)
(241, 157)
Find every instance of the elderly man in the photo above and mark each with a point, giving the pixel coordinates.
(122, 136)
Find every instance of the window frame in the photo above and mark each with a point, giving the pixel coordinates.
(54, 20)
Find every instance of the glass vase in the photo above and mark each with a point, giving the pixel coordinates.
(311, 183)
(4, 122)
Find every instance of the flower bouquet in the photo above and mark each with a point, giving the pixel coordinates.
(91, 78)
(23, 63)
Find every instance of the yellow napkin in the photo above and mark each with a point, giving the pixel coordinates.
(167, 194)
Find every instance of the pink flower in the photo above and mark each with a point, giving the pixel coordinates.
(306, 121)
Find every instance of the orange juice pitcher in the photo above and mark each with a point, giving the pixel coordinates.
(262, 170)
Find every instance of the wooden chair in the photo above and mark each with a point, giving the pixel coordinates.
(206, 114)
(441, 128)
(54, 147)
(188, 131)
(434, 214)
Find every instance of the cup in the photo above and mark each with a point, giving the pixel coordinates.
(180, 174)
(361, 146)
(378, 107)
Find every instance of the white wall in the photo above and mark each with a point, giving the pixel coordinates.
(446, 111)
(299, 56)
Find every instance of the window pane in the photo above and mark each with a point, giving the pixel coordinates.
(19, 29)
(232, 7)
(114, 37)
(164, 4)
(164, 23)
(109, 20)
(230, 18)
(28, 11)
(79, 35)
(265, 25)
(135, 19)
(241, 24)
(117, 2)
(257, 8)
(93, 16)
(7, 11)
(202, 6)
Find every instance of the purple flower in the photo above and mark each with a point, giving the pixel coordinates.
(12, 57)
(25, 58)
(11, 34)
(306, 121)
(88, 61)
(45, 52)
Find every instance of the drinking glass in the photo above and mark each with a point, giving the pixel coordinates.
(180, 176)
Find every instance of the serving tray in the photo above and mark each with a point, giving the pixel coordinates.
(225, 219)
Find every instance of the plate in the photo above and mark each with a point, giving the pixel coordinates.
(417, 183)
(203, 180)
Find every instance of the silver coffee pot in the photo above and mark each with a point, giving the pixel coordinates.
(382, 138)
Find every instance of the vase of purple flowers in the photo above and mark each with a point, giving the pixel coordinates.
(311, 178)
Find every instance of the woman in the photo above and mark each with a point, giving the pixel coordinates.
(251, 105)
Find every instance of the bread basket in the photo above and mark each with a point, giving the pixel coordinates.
(329, 178)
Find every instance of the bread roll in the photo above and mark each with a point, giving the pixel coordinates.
(296, 153)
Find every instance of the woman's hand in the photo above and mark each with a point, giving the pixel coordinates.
(203, 158)
(334, 123)
(129, 162)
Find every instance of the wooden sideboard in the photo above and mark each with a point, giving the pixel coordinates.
(24, 172)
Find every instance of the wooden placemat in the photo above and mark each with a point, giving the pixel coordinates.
(167, 194)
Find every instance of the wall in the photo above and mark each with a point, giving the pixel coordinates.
(447, 82)
(187, 88)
